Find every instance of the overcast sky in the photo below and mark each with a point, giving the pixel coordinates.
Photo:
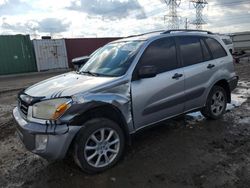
(112, 18)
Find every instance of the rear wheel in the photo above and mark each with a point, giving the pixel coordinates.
(99, 145)
(216, 103)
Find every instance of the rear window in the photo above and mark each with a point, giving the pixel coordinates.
(216, 48)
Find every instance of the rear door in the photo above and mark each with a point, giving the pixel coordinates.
(160, 97)
(196, 59)
(200, 64)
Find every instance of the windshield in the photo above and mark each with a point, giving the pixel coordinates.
(113, 59)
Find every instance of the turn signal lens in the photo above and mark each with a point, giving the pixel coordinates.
(60, 110)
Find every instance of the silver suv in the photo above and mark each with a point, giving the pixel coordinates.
(127, 85)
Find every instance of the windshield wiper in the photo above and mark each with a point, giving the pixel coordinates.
(89, 72)
(94, 74)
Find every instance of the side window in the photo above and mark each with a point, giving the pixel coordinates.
(190, 50)
(206, 54)
(162, 54)
(216, 48)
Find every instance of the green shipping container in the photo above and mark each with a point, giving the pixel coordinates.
(16, 54)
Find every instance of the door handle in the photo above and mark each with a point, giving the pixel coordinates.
(210, 66)
(176, 76)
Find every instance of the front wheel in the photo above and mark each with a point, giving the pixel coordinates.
(216, 103)
(99, 145)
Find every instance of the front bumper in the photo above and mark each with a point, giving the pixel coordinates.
(58, 137)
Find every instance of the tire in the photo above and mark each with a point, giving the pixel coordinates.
(95, 153)
(216, 103)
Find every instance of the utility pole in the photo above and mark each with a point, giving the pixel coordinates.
(2, 25)
(199, 5)
(186, 23)
(173, 21)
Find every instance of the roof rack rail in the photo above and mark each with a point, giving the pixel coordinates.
(144, 33)
(187, 30)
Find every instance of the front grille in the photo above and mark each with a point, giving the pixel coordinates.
(23, 107)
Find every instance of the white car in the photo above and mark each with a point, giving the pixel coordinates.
(228, 42)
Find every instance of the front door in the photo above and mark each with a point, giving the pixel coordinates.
(162, 96)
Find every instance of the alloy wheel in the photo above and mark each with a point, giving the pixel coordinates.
(102, 147)
(218, 103)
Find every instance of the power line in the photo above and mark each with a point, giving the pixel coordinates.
(231, 3)
(238, 15)
(158, 9)
(231, 18)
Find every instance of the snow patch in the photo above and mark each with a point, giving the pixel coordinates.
(245, 120)
(197, 116)
(244, 84)
(236, 101)
(239, 96)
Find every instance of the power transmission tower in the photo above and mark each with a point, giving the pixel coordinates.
(173, 17)
(199, 5)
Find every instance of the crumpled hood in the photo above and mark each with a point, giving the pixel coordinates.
(66, 85)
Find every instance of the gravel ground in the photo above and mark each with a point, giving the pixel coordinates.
(188, 151)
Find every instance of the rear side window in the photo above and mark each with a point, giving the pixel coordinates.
(206, 55)
(216, 48)
(162, 54)
(191, 51)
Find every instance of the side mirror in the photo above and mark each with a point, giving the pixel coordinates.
(79, 61)
(148, 71)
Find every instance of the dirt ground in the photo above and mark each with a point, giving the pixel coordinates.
(188, 151)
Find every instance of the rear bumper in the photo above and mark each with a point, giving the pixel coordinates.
(233, 82)
(41, 140)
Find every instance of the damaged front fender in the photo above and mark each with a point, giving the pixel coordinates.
(117, 96)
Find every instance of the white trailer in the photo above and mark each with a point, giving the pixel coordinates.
(241, 41)
(50, 54)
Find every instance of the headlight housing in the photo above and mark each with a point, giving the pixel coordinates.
(51, 109)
